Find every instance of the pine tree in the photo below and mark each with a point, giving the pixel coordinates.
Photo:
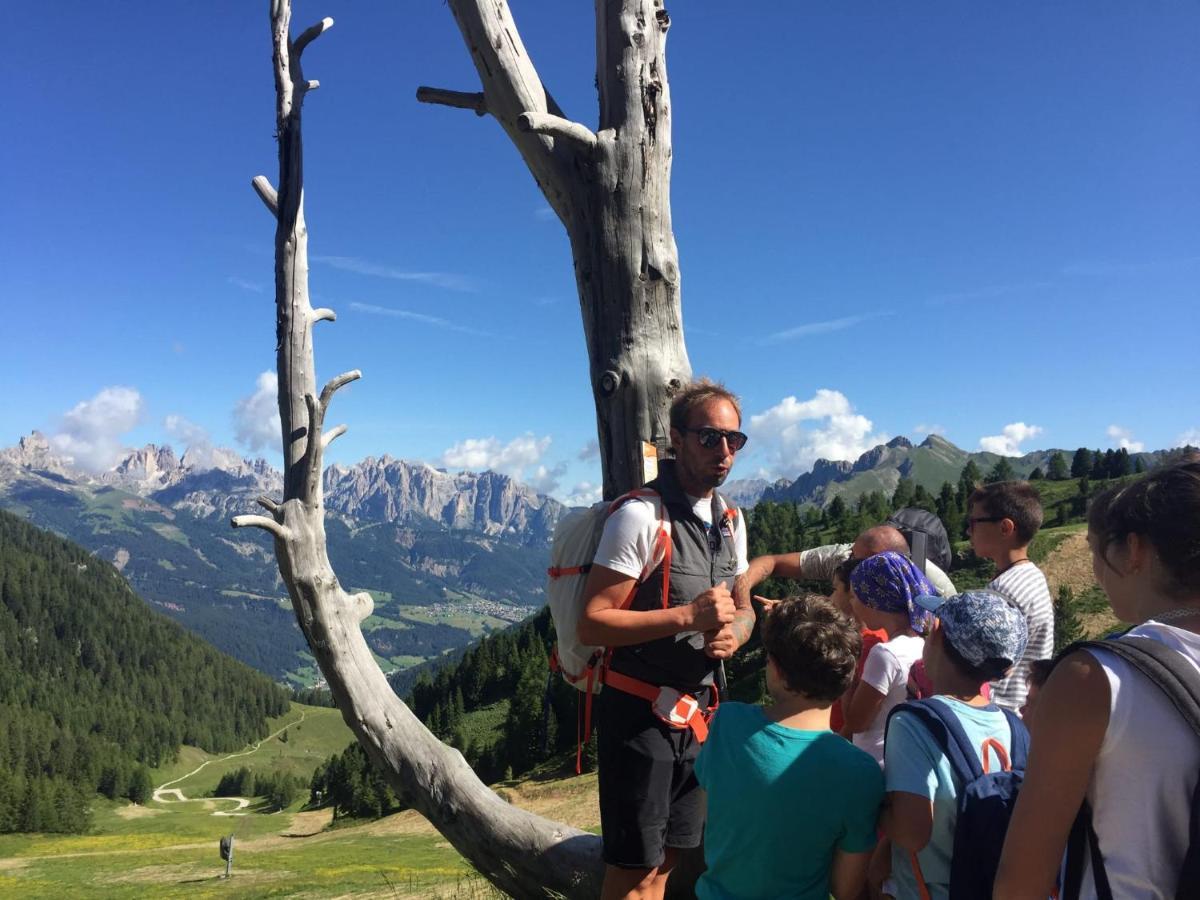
(1067, 626)
(968, 480)
(1057, 468)
(903, 494)
(1081, 463)
(1001, 471)
(1037, 474)
(1139, 466)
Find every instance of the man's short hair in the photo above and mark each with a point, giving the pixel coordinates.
(1016, 500)
(697, 394)
(814, 645)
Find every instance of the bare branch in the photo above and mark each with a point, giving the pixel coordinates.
(266, 193)
(268, 504)
(332, 435)
(457, 99)
(558, 127)
(310, 34)
(262, 522)
(323, 314)
(313, 448)
(335, 384)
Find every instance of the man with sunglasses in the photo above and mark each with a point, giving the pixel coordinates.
(651, 806)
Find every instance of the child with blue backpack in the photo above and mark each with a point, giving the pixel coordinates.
(953, 761)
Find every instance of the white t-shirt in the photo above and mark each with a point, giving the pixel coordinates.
(1026, 586)
(630, 532)
(886, 670)
(1145, 774)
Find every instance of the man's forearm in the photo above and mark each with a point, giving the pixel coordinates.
(742, 625)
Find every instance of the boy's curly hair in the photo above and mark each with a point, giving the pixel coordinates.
(814, 645)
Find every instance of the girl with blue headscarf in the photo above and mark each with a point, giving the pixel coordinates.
(883, 588)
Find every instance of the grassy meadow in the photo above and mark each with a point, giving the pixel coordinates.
(169, 848)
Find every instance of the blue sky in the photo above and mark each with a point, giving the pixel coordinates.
(982, 219)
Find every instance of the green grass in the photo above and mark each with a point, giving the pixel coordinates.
(170, 849)
(485, 726)
(310, 742)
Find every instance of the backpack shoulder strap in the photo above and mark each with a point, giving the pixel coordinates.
(920, 549)
(1180, 682)
(1166, 668)
(949, 735)
(1018, 751)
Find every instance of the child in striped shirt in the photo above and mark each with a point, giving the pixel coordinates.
(1002, 519)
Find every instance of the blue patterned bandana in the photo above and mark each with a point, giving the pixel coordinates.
(983, 626)
(890, 582)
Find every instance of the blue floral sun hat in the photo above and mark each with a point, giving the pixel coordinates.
(890, 582)
(982, 626)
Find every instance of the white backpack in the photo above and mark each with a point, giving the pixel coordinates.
(576, 538)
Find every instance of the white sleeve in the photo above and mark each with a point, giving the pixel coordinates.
(628, 538)
(881, 669)
(739, 545)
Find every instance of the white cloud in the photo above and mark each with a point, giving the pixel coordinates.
(1008, 442)
(510, 459)
(545, 214)
(1190, 438)
(446, 280)
(812, 328)
(791, 448)
(195, 439)
(591, 450)
(89, 434)
(256, 422)
(584, 494)
(415, 317)
(545, 480)
(929, 429)
(1124, 439)
(252, 286)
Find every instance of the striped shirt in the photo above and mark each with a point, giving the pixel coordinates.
(1026, 586)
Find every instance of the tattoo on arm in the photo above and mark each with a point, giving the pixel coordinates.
(743, 625)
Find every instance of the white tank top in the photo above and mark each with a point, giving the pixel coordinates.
(1141, 789)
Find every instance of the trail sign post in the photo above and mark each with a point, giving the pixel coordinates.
(227, 853)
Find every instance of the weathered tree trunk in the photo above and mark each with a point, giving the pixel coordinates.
(611, 190)
(522, 854)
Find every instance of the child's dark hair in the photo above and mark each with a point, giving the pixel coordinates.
(1039, 672)
(814, 645)
(988, 670)
(1016, 500)
(842, 572)
(1164, 508)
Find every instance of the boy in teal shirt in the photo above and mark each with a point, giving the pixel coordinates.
(791, 805)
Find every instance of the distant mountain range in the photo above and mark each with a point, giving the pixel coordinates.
(931, 463)
(445, 555)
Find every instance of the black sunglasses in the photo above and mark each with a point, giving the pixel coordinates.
(710, 437)
(975, 520)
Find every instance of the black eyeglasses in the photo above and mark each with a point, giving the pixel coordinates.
(710, 437)
(975, 520)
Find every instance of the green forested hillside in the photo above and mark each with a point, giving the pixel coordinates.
(95, 687)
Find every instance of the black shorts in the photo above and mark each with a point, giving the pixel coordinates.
(649, 796)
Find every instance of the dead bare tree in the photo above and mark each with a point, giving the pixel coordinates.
(521, 853)
(611, 190)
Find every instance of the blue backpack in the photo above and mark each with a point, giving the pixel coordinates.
(985, 798)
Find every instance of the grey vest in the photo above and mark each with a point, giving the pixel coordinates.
(698, 562)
